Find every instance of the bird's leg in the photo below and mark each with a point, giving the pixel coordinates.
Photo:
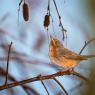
(71, 69)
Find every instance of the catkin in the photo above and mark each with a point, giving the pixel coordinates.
(25, 12)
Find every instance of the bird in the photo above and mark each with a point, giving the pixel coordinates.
(64, 57)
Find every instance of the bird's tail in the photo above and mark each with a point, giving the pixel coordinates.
(88, 56)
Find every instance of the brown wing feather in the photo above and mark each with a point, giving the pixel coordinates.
(71, 55)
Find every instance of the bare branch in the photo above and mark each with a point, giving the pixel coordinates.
(60, 22)
(78, 75)
(60, 73)
(44, 86)
(61, 86)
(8, 63)
(26, 88)
(86, 43)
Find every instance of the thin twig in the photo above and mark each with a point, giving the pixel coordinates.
(60, 73)
(19, 10)
(20, 3)
(8, 63)
(86, 43)
(61, 86)
(79, 75)
(44, 86)
(56, 8)
(48, 8)
(26, 88)
(60, 22)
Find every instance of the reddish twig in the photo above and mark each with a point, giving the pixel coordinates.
(26, 88)
(60, 73)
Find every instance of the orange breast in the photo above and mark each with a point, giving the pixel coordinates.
(52, 50)
(67, 63)
(63, 62)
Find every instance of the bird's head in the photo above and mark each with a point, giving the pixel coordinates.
(55, 47)
(56, 43)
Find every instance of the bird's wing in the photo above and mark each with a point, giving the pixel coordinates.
(72, 55)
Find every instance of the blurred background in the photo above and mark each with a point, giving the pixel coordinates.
(29, 54)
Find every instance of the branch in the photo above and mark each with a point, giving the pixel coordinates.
(8, 62)
(79, 75)
(60, 73)
(44, 86)
(86, 43)
(26, 88)
(60, 22)
(61, 86)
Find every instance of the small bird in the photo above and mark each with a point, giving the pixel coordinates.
(64, 57)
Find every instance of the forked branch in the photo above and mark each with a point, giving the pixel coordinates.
(86, 43)
(52, 76)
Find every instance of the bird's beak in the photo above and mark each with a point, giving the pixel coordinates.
(52, 40)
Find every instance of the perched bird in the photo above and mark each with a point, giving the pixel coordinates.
(63, 57)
